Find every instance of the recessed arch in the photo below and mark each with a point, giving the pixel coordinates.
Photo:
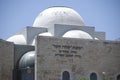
(65, 75)
(26, 66)
(118, 77)
(93, 76)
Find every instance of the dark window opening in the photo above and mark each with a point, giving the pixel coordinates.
(118, 77)
(65, 75)
(93, 76)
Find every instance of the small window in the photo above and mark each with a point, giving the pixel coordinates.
(93, 76)
(65, 75)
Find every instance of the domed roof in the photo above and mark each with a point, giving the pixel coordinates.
(17, 39)
(58, 15)
(42, 34)
(96, 38)
(45, 34)
(27, 60)
(77, 34)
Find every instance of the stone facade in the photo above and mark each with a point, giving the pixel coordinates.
(6, 60)
(77, 56)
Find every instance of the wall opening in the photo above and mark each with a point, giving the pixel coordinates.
(65, 75)
(93, 76)
(118, 77)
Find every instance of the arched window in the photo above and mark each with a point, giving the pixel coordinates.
(93, 76)
(118, 77)
(65, 75)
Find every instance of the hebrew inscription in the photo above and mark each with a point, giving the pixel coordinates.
(67, 50)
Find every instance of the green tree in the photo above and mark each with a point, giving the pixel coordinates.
(83, 78)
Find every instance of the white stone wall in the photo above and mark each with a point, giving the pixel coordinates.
(6, 60)
(77, 56)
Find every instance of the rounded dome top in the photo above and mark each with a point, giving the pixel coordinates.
(27, 60)
(17, 39)
(45, 34)
(58, 15)
(42, 34)
(77, 34)
(96, 38)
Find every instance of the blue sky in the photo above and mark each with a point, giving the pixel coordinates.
(104, 15)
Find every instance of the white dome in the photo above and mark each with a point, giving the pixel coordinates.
(17, 39)
(96, 38)
(42, 34)
(58, 15)
(45, 34)
(77, 34)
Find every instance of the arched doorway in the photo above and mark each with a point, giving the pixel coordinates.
(118, 77)
(65, 75)
(93, 76)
